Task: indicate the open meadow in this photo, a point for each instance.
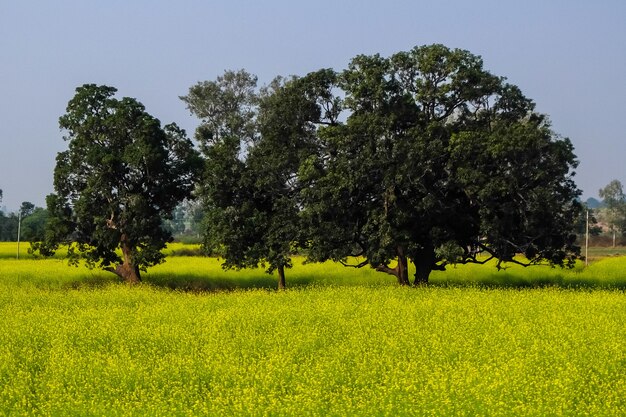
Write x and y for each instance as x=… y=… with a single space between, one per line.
x=195 y=340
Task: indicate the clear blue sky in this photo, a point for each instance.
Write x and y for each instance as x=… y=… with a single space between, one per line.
x=567 y=55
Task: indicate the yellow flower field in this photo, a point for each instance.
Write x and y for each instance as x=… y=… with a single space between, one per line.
x=339 y=342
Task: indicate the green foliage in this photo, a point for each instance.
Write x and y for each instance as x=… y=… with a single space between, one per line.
x=33 y=220
x=437 y=153
x=614 y=211
x=121 y=175
x=422 y=157
x=591 y=220
x=227 y=110
x=8 y=227
x=34 y=225
x=254 y=144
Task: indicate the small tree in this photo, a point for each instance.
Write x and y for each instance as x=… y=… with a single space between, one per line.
x=27 y=208
x=186 y=221
x=614 y=212
x=121 y=175
x=8 y=227
x=583 y=221
x=34 y=226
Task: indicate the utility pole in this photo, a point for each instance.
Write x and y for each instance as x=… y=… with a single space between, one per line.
x=19 y=231
x=587 y=240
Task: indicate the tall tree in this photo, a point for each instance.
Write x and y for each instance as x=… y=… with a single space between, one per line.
x=290 y=113
x=614 y=212
x=254 y=142
x=227 y=110
x=121 y=175
x=8 y=227
x=439 y=159
x=27 y=208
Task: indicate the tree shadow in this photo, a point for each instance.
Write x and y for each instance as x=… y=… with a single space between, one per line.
x=497 y=280
x=214 y=280
x=218 y=282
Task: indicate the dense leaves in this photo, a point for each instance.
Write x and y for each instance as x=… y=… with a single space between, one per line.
x=423 y=156
x=29 y=220
x=254 y=142
x=439 y=159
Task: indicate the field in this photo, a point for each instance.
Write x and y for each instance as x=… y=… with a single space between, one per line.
x=195 y=340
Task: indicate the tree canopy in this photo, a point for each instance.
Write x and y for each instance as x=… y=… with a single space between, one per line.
x=614 y=211
x=121 y=175
x=422 y=157
x=437 y=161
x=254 y=141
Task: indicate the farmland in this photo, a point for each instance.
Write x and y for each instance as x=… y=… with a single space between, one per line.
x=195 y=340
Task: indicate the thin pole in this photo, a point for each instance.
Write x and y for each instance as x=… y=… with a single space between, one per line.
x=19 y=232
x=613 y=236
x=587 y=240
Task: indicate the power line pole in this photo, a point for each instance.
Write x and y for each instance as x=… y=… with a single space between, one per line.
x=587 y=240
x=19 y=231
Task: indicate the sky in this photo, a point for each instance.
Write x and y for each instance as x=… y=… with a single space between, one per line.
x=569 y=56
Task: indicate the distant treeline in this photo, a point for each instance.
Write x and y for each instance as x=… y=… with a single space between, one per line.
x=33 y=223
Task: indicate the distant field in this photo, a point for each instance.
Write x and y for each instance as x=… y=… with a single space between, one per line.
x=601 y=252
x=8 y=250
x=525 y=341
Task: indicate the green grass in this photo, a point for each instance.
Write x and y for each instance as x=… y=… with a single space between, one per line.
x=604 y=251
x=195 y=273
x=8 y=250
x=525 y=341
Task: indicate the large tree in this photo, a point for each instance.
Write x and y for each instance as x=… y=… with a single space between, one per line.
x=290 y=112
x=254 y=143
x=227 y=110
x=121 y=175
x=438 y=160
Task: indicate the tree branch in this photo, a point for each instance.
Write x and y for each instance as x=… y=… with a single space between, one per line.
x=474 y=260
x=513 y=261
x=386 y=269
x=440 y=267
x=359 y=265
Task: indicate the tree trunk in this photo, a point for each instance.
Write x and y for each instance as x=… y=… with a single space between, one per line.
x=424 y=260
x=402 y=267
x=127 y=270
x=613 y=237
x=281 y=277
x=401 y=271
x=422 y=272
